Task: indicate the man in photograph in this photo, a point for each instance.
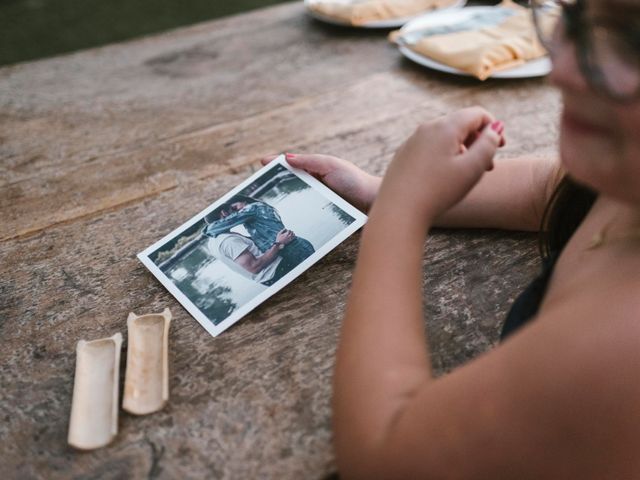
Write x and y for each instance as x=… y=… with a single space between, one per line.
x=241 y=254
x=263 y=223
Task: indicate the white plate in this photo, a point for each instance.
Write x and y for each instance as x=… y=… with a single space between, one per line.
x=534 y=68
x=390 y=23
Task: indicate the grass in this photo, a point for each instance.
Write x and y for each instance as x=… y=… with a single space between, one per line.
x=32 y=29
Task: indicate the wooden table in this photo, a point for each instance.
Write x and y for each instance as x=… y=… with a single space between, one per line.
x=105 y=151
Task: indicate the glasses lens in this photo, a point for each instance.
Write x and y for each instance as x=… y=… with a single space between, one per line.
x=613 y=56
x=546 y=16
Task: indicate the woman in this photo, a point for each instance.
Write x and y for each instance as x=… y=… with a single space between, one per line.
x=560 y=397
x=263 y=223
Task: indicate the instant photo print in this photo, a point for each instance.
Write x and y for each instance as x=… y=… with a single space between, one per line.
x=250 y=244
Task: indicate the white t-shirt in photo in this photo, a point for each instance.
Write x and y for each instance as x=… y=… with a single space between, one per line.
x=229 y=246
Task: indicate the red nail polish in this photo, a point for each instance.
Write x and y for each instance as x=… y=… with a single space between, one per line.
x=290 y=155
x=497 y=126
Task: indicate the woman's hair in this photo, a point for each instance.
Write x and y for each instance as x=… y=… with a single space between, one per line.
x=214 y=215
x=243 y=199
x=565 y=211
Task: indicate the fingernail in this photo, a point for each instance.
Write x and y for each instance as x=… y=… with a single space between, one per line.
x=290 y=155
x=497 y=126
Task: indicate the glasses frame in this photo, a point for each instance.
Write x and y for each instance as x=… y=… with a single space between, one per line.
x=576 y=30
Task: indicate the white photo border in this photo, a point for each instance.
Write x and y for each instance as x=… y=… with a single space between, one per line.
x=359 y=220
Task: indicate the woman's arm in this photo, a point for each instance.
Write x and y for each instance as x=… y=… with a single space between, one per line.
x=511 y=197
x=382 y=362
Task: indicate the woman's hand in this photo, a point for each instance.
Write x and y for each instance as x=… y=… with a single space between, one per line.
x=343 y=177
x=285 y=236
x=442 y=161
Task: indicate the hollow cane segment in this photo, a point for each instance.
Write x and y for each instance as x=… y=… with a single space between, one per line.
x=94 y=408
x=146 y=386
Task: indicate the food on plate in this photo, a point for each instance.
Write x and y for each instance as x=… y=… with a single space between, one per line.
x=362 y=12
x=483 y=41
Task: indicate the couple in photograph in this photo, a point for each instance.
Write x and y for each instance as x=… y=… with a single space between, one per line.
x=268 y=253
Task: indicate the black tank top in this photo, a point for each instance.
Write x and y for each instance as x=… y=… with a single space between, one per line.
x=526 y=305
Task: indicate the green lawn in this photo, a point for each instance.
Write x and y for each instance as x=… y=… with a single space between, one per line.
x=31 y=29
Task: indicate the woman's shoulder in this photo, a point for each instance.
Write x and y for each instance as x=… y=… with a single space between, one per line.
x=601 y=313
x=608 y=283
x=593 y=306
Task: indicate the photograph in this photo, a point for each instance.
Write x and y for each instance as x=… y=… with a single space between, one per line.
x=251 y=243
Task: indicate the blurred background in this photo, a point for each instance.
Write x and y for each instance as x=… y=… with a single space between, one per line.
x=31 y=29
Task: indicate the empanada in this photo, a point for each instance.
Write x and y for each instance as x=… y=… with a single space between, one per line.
x=361 y=12
x=490 y=41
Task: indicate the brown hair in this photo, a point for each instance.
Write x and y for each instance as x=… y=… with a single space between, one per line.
x=214 y=215
x=568 y=206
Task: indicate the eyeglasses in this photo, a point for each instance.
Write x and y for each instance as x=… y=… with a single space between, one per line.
x=607 y=49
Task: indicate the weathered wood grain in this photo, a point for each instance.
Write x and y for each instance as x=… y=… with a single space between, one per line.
x=97 y=120
x=105 y=151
